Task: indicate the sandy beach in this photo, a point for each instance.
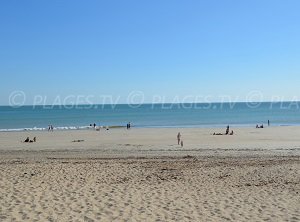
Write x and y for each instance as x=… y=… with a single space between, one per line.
x=119 y=111
x=143 y=175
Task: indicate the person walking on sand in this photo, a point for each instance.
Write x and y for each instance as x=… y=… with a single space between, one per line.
x=181 y=143
x=178 y=137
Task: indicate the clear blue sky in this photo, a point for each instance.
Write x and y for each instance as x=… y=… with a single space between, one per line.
x=166 y=47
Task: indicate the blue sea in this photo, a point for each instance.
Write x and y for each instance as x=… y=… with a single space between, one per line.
x=149 y=115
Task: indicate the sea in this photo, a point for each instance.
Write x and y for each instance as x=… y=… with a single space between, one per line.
x=72 y=117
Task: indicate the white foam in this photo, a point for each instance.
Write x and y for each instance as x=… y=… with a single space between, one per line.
x=45 y=129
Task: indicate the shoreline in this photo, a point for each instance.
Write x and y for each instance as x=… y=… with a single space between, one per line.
x=77 y=128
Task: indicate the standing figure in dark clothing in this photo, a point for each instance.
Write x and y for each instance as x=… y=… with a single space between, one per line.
x=227 y=130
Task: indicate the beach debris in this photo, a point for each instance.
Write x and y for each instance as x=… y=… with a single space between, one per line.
x=187 y=157
x=77 y=141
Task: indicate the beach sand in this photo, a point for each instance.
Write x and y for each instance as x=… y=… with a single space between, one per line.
x=143 y=175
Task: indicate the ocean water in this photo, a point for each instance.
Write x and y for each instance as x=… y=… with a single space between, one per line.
x=149 y=115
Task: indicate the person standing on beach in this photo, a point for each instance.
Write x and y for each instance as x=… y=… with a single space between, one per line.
x=178 y=137
x=181 y=143
x=268 y=122
x=227 y=130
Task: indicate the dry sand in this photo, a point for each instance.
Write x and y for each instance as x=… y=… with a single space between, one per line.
x=143 y=175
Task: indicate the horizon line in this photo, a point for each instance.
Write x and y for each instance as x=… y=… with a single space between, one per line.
x=103 y=104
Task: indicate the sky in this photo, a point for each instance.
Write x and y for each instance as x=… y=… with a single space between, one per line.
x=149 y=51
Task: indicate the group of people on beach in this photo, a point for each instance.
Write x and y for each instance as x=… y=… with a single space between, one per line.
x=128 y=126
x=227 y=132
x=50 y=128
x=262 y=125
x=27 y=140
x=93 y=125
